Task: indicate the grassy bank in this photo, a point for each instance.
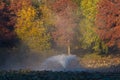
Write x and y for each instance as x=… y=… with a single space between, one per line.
x=101 y=62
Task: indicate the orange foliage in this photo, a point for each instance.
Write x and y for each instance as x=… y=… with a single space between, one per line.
x=8 y=19
x=15 y=6
x=108 y=22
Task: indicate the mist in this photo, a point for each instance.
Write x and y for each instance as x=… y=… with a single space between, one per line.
x=23 y=56
x=23 y=60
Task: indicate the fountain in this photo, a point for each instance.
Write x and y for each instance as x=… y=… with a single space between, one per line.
x=61 y=63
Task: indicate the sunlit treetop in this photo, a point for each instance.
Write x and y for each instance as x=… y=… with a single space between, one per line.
x=89 y=8
x=31 y=30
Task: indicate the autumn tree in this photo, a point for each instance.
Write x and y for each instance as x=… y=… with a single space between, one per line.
x=89 y=8
x=108 y=22
x=64 y=23
x=89 y=38
x=14 y=7
x=30 y=29
x=8 y=11
x=7 y=34
x=47 y=14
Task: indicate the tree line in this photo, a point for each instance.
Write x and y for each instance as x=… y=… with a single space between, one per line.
x=71 y=24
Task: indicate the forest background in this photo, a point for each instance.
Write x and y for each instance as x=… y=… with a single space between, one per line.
x=50 y=27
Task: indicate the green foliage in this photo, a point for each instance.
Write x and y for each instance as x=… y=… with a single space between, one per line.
x=31 y=30
x=78 y=2
x=36 y=3
x=89 y=38
x=47 y=15
x=89 y=8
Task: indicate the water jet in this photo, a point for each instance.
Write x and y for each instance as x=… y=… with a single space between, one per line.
x=62 y=63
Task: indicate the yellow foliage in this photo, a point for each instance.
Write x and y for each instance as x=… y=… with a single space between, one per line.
x=89 y=8
x=47 y=14
x=88 y=28
x=32 y=31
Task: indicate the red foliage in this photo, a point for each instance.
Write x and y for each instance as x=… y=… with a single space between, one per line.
x=5 y=28
x=14 y=7
x=108 y=22
x=8 y=10
x=65 y=22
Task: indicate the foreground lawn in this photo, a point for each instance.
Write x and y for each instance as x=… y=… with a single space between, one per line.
x=47 y=75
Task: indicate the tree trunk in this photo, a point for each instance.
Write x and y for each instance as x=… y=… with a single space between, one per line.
x=69 y=50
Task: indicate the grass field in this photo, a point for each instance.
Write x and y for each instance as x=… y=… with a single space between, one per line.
x=47 y=75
